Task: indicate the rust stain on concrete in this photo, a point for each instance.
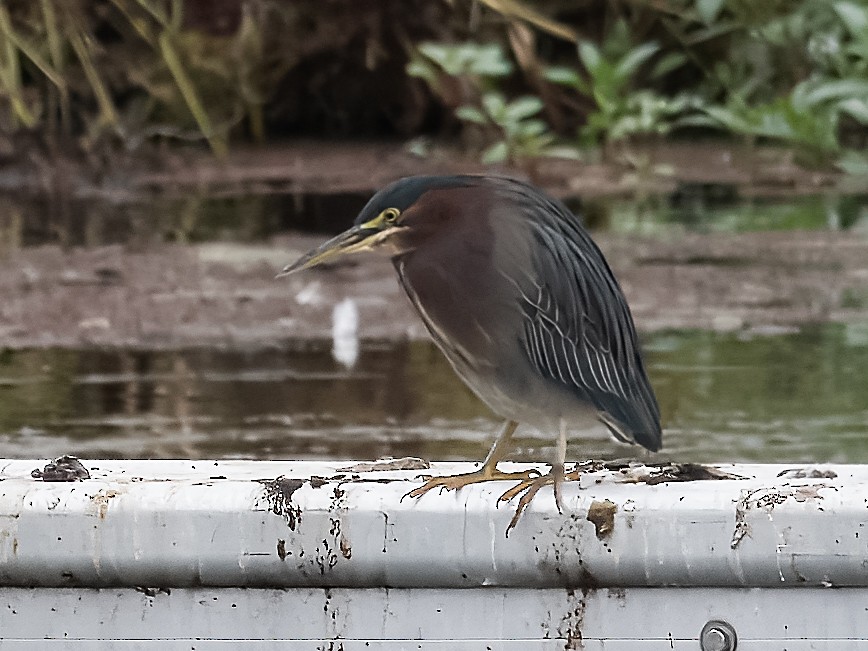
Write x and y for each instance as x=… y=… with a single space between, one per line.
x=602 y=516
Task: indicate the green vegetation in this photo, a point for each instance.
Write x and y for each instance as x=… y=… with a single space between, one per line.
x=515 y=82
x=791 y=73
x=512 y=128
x=129 y=69
x=520 y=134
x=609 y=79
x=819 y=100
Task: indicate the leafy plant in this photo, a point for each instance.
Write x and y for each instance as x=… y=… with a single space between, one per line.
x=808 y=118
x=476 y=59
x=520 y=133
x=459 y=73
x=812 y=114
x=609 y=78
x=513 y=128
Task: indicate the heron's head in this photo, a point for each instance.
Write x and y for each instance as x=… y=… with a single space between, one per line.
x=395 y=219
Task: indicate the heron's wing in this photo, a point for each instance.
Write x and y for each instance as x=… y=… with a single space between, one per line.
x=578 y=330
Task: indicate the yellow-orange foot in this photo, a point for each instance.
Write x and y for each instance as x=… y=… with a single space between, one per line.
x=454 y=482
x=530 y=487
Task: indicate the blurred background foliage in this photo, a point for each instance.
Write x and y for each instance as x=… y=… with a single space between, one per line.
x=512 y=80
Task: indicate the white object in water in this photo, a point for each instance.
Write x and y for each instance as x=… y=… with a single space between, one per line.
x=345 y=333
x=310 y=294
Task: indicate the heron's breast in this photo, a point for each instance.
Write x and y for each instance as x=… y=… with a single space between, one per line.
x=459 y=294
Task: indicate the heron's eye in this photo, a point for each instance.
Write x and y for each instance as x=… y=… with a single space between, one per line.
x=390 y=215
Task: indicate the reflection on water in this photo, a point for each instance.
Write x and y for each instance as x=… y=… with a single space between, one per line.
x=708 y=209
x=796 y=397
x=31 y=221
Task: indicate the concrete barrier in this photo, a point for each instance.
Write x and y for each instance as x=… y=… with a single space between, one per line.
x=304 y=555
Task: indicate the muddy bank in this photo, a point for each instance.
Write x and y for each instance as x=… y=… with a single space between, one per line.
x=172 y=296
x=309 y=166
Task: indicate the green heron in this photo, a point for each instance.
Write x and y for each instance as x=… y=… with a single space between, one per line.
x=521 y=301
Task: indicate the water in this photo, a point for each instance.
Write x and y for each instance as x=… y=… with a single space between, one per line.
x=781 y=397
x=86 y=222
x=789 y=397
x=716 y=209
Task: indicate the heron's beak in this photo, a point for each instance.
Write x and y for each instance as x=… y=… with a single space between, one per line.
x=358 y=238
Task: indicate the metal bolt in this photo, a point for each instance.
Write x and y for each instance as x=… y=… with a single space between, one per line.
x=718 y=636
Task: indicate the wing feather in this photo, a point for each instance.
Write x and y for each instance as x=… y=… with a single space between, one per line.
x=578 y=329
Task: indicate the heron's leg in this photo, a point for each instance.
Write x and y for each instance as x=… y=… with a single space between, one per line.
x=555 y=477
x=500 y=447
x=557 y=471
x=488 y=471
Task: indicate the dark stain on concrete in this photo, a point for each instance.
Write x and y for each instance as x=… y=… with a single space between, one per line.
x=278 y=494
x=65 y=468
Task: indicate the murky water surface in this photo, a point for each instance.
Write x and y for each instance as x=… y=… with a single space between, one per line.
x=783 y=397
x=786 y=397
x=88 y=222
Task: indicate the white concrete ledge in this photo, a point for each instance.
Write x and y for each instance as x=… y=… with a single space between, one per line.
x=174 y=524
x=503 y=619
